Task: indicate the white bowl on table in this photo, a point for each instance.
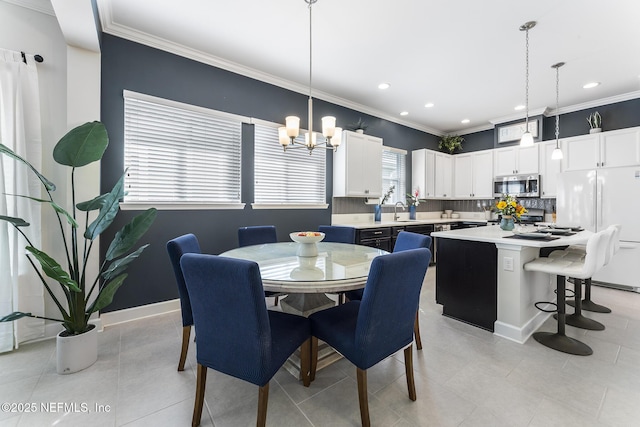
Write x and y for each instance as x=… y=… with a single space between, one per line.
x=306 y=241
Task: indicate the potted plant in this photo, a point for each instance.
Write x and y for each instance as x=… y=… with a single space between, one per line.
x=413 y=202
x=360 y=126
x=451 y=143
x=377 y=216
x=83 y=295
x=595 y=122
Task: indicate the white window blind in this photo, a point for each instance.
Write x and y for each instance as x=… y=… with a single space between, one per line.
x=180 y=154
x=293 y=178
x=394 y=173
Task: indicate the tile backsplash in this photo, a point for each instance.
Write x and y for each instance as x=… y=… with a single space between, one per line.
x=353 y=205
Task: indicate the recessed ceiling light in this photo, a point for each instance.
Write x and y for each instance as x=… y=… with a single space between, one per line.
x=429 y=104
x=519 y=107
x=591 y=85
x=465 y=121
x=404 y=113
x=383 y=86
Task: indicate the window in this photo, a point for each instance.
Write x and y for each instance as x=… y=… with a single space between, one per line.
x=287 y=179
x=179 y=154
x=394 y=173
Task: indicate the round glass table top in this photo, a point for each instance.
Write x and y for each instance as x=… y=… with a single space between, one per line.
x=337 y=267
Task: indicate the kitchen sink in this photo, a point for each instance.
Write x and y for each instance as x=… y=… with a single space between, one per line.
x=406 y=220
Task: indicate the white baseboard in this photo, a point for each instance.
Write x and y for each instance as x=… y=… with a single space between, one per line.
x=135 y=313
x=521 y=335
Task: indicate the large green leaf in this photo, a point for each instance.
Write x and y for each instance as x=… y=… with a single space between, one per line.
x=127 y=237
x=48 y=184
x=82 y=145
x=52 y=269
x=108 y=211
x=55 y=207
x=120 y=265
x=15 y=316
x=17 y=222
x=93 y=204
x=106 y=294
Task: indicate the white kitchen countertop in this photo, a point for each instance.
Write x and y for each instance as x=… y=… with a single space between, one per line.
x=495 y=234
x=356 y=220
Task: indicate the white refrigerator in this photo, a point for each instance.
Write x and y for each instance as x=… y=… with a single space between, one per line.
x=596 y=199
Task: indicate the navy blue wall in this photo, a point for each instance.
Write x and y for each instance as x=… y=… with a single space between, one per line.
x=132 y=66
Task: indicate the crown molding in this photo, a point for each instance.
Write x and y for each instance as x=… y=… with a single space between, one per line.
x=597 y=103
x=513 y=117
x=42 y=6
x=475 y=129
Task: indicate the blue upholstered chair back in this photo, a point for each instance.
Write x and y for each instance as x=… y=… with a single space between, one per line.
x=407 y=240
x=338 y=233
x=176 y=248
x=230 y=315
x=257 y=235
x=389 y=304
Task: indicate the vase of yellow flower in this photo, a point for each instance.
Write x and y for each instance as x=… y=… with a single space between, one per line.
x=509 y=208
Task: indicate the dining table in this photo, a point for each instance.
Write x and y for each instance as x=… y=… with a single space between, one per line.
x=337 y=267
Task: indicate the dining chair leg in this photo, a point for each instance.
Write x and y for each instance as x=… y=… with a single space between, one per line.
x=416 y=332
x=305 y=362
x=363 y=397
x=186 y=334
x=313 y=359
x=408 y=367
x=275 y=301
x=201 y=382
x=263 y=400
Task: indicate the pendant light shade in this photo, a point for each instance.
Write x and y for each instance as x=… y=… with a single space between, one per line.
x=527 y=137
x=557 y=152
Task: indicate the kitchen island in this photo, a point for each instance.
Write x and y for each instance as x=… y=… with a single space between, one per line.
x=480 y=279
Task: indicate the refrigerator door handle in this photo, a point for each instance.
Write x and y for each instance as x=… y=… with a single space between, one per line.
x=599 y=214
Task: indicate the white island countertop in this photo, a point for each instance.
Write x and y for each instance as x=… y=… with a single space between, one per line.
x=495 y=234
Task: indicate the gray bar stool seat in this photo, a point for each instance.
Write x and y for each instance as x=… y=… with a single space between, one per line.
x=580 y=268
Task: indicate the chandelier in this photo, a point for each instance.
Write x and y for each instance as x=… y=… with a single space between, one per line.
x=332 y=134
x=557 y=152
x=527 y=138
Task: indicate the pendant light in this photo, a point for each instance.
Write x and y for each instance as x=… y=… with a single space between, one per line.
x=287 y=134
x=527 y=138
x=557 y=152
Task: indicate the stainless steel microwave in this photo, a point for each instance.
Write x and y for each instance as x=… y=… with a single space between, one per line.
x=517 y=185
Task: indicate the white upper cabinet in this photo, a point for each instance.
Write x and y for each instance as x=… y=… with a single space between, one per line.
x=423 y=164
x=549 y=170
x=443 y=175
x=602 y=150
x=473 y=175
x=516 y=160
x=357 y=166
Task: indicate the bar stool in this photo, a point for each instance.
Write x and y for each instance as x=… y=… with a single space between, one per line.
x=614 y=246
x=562 y=268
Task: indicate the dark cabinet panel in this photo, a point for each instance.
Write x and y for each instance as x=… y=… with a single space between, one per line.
x=375 y=237
x=466 y=281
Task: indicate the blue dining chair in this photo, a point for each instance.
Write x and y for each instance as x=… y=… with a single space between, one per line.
x=177 y=247
x=406 y=240
x=370 y=330
x=338 y=233
x=237 y=335
x=259 y=235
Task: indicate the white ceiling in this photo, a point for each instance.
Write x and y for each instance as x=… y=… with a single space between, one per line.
x=465 y=56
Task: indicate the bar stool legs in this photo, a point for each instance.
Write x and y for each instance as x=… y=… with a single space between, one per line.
x=559 y=340
x=589 y=305
x=577 y=319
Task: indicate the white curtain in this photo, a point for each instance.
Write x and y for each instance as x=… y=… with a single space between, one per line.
x=20 y=130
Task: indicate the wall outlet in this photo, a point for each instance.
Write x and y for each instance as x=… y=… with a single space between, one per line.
x=508 y=263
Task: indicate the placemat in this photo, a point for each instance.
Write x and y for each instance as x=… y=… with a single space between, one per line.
x=540 y=239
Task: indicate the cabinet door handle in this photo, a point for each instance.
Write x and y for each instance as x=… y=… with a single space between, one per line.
x=377 y=232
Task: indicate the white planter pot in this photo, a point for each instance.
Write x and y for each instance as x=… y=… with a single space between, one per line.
x=76 y=352
x=595 y=130
x=360 y=130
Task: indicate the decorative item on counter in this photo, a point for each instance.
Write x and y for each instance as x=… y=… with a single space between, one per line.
x=595 y=122
x=378 y=209
x=451 y=143
x=509 y=207
x=307 y=242
x=413 y=202
x=455 y=215
x=487 y=211
x=448 y=213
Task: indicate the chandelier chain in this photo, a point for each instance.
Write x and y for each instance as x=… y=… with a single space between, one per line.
x=557 y=104
x=311 y=2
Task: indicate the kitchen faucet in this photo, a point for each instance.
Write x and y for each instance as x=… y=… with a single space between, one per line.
x=395 y=210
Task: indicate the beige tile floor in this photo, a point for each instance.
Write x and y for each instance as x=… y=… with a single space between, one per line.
x=464 y=377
